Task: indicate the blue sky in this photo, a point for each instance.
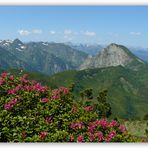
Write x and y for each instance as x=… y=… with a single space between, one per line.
x=127 y=25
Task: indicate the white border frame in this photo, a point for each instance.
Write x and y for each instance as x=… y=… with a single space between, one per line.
x=73 y=2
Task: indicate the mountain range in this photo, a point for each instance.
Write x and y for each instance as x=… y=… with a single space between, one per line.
x=43 y=57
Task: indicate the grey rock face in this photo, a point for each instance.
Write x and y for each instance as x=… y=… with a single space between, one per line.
x=112 y=55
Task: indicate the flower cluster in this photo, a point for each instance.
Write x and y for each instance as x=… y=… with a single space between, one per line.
x=77 y=125
x=56 y=92
x=110 y=136
x=123 y=128
x=9 y=105
x=43 y=135
x=88 y=108
x=44 y=100
x=80 y=138
x=2 y=81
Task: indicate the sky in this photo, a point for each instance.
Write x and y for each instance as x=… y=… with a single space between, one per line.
x=127 y=25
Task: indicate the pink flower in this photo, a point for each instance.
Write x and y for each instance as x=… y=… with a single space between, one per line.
x=91 y=137
x=57 y=92
x=34 y=82
x=23 y=80
x=80 y=138
x=28 y=87
x=9 y=105
x=2 y=81
x=91 y=127
x=39 y=88
x=13 y=101
x=44 y=100
x=12 y=91
x=56 y=97
x=103 y=123
x=64 y=90
x=11 y=77
x=4 y=74
x=99 y=135
x=122 y=128
x=43 y=135
x=113 y=123
x=111 y=135
x=25 y=76
x=88 y=108
x=77 y=125
x=18 y=87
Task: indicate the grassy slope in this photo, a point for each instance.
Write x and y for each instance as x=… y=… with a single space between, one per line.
x=127 y=89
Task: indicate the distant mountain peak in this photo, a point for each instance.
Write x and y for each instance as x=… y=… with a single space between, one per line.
x=112 y=55
x=17 y=41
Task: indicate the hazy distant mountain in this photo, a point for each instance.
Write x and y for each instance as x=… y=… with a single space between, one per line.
x=44 y=57
x=143 y=54
x=91 y=49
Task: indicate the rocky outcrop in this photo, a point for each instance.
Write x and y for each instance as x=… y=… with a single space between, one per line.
x=112 y=55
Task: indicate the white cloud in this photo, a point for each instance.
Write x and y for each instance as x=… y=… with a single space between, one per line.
x=68 y=32
x=52 y=32
x=24 y=32
x=89 y=33
x=37 y=31
x=135 y=33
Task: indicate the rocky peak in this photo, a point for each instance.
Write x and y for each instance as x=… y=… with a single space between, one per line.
x=17 y=42
x=112 y=55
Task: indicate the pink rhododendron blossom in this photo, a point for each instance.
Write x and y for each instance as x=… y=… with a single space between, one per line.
x=25 y=76
x=122 y=128
x=91 y=127
x=91 y=137
x=77 y=125
x=80 y=138
x=2 y=81
x=88 y=108
x=56 y=97
x=39 y=88
x=103 y=123
x=113 y=123
x=4 y=74
x=110 y=136
x=99 y=135
x=11 y=77
x=43 y=135
x=44 y=100
x=9 y=105
x=28 y=87
x=12 y=91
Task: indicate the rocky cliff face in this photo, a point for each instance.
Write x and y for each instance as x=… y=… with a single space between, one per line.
x=112 y=55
